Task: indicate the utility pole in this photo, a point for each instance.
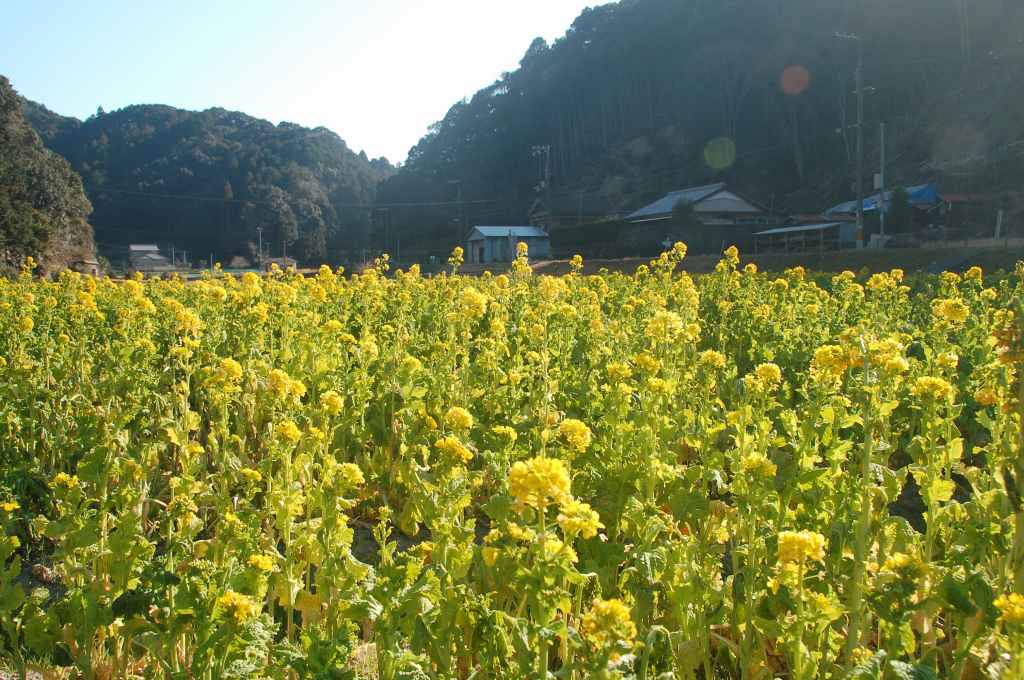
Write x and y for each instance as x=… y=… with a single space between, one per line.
x=174 y=262
x=259 y=253
x=881 y=208
x=460 y=229
x=859 y=77
x=544 y=170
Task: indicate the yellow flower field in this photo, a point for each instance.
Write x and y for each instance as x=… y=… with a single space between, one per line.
x=742 y=475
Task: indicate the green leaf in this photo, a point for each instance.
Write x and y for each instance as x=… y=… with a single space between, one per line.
x=941 y=490
x=904 y=671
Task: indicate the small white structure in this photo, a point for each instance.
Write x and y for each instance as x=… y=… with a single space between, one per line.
x=147 y=258
x=498 y=244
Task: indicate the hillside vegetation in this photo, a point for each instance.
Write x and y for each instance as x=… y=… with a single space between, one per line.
x=644 y=96
x=206 y=181
x=43 y=208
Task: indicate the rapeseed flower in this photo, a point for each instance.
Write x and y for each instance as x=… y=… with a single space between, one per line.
x=331 y=402
x=929 y=387
x=352 y=474
x=801 y=546
x=264 y=563
x=986 y=396
x=952 y=310
x=238 y=607
x=576 y=434
x=288 y=432
x=539 y=481
x=454 y=449
x=473 y=303
x=459 y=419
x=608 y=623
x=578 y=518
x=1011 y=608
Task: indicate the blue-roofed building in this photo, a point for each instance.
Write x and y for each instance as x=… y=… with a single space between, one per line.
x=715 y=204
x=498 y=244
x=922 y=196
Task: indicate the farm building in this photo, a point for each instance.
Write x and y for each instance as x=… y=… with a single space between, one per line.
x=89 y=266
x=714 y=204
x=807 y=237
x=281 y=262
x=922 y=197
x=498 y=244
x=147 y=258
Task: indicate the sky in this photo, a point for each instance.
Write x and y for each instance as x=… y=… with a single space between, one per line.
x=377 y=72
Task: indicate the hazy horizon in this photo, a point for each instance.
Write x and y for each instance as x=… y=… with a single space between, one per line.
x=377 y=76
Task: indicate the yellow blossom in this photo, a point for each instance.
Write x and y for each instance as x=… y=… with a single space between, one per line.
x=578 y=518
x=608 y=623
x=986 y=396
x=952 y=310
x=251 y=475
x=458 y=418
x=288 y=432
x=331 y=402
x=801 y=546
x=454 y=448
x=928 y=387
x=1011 y=608
x=758 y=464
x=238 y=607
x=712 y=358
x=473 y=303
x=264 y=563
x=539 y=481
x=576 y=434
x=352 y=474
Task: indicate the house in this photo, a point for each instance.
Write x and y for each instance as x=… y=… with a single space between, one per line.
x=284 y=263
x=498 y=244
x=922 y=197
x=714 y=204
x=88 y=266
x=147 y=258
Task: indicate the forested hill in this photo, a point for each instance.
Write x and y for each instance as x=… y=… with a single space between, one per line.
x=43 y=208
x=644 y=96
x=206 y=181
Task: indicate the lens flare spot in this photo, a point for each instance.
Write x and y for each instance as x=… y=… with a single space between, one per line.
x=795 y=79
x=720 y=153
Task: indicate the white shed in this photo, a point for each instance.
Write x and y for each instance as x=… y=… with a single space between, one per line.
x=498 y=244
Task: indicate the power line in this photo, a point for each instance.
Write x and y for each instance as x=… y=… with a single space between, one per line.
x=359 y=206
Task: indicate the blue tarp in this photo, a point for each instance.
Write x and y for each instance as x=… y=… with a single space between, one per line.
x=922 y=195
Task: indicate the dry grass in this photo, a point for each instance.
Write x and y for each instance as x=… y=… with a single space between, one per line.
x=990 y=255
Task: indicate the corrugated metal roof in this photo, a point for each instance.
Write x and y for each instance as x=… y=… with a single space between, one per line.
x=667 y=203
x=727 y=202
x=922 y=194
x=521 y=232
x=802 y=227
x=142 y=247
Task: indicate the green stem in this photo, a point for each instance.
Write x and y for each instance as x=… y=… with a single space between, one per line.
x=860 y=541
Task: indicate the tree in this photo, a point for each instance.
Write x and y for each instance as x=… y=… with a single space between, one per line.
x=899 y=216
x=43 y=208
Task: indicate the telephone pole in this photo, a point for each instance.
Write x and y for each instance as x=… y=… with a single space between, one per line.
x=259 y=253
x=881 y=208
x=859 y=77
x=460 y=229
